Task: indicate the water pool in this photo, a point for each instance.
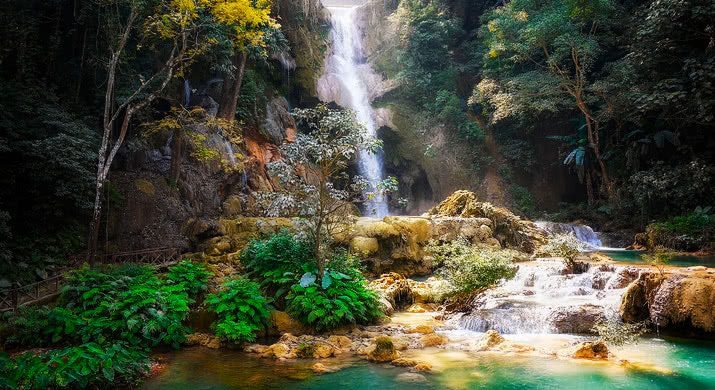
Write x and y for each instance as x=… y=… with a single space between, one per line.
x=636 y=257
x=667 y=364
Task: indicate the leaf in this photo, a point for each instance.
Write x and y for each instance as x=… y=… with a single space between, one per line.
x=327 y=281
x=307 y=279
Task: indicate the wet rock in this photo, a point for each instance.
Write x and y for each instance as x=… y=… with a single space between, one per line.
x=383 y=350
x=491 y=339
x=432 y=340
x=320 y=368
x=422 y=329
x=421 y=308
x=623 y=277
x=342 y=342
x=591 y=350
x=579 y=319
x=278 y=351
x=411 y=377
x=672 y=301
x=204 y=340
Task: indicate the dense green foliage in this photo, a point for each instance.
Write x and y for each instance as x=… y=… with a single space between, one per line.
x=89 y=365
x=346 y=300
x=277 y=262
x=128 y=303
x=193 y=277
x=242 y=310
x=469 y=269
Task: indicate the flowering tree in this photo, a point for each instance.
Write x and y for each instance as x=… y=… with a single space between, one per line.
x=314 y=179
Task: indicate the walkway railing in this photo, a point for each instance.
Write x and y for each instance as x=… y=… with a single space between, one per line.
x=13 y=298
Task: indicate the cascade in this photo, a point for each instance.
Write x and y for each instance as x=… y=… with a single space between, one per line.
x=344 y=83
x=540 y=299
x=582 y=232
x=230 y=152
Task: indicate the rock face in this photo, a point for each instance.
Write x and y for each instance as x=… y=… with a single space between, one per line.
x=683 y=301
x=508 y=228
x=577 y=319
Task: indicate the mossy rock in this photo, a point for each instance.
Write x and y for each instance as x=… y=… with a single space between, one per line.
x=145 y=186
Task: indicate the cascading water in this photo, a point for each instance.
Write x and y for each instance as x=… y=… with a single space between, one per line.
x=541 y=299
x=344 y=83
x=582 y=232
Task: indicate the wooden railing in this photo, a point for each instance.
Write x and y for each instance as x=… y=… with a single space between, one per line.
x=13 y=298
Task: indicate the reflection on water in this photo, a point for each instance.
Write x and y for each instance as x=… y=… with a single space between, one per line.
x=660 y=364
x=636 y=257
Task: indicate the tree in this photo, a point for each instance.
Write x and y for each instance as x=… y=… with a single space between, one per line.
x=246 y=24
x=541 y=57
x=314 y=179
x=169 y=28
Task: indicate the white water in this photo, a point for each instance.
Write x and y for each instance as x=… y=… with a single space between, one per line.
x=539 y=294
x=343 y=83
x=230 y=152
x=583 y=233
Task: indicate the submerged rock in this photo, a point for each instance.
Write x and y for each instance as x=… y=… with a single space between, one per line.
x=591 y=350
x=432 y=340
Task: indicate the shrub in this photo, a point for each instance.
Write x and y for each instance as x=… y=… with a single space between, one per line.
x=277 y=262
x=472 y=268
x=192 y=276
x=566 y=246
x=345 y=300
x=698 y=222
x=41 y=326
x=241 y=308
x=127 y=303
x=88 y=365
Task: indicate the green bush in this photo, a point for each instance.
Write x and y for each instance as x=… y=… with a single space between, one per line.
x=128 y=303
x=192 y=276
x=89 y=365
x=40 y=326
x=277 y=262
x=471 y=268
x=696 y=223
x=241 y=308
x=345 y=300
x=562 y=245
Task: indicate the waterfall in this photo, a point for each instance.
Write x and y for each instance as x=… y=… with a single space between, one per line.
x=229 y=151
x=540 y=299
x=582 y=232
x=344 y=83
x=187 y=93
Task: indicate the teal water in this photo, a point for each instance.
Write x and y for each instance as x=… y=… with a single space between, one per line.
x=672 y=364
x=636 y=257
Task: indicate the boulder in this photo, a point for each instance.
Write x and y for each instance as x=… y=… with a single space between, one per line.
x=365 y=246
x=421 y=329
x=432 y=340
x=675 y=301
x=491 y=339
x=342 y=342
x=512 y=230
x=577 y=319
x=283 y=323
x=383 y=350
x=232 y=206
x=204 y=340
x=278 y=351
x=591 y=350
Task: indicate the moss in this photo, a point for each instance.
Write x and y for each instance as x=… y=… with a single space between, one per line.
x=145 y=186
x=384 y=344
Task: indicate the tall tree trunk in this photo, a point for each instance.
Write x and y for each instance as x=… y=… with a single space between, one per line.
x=231 y=90
x=176 y=149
